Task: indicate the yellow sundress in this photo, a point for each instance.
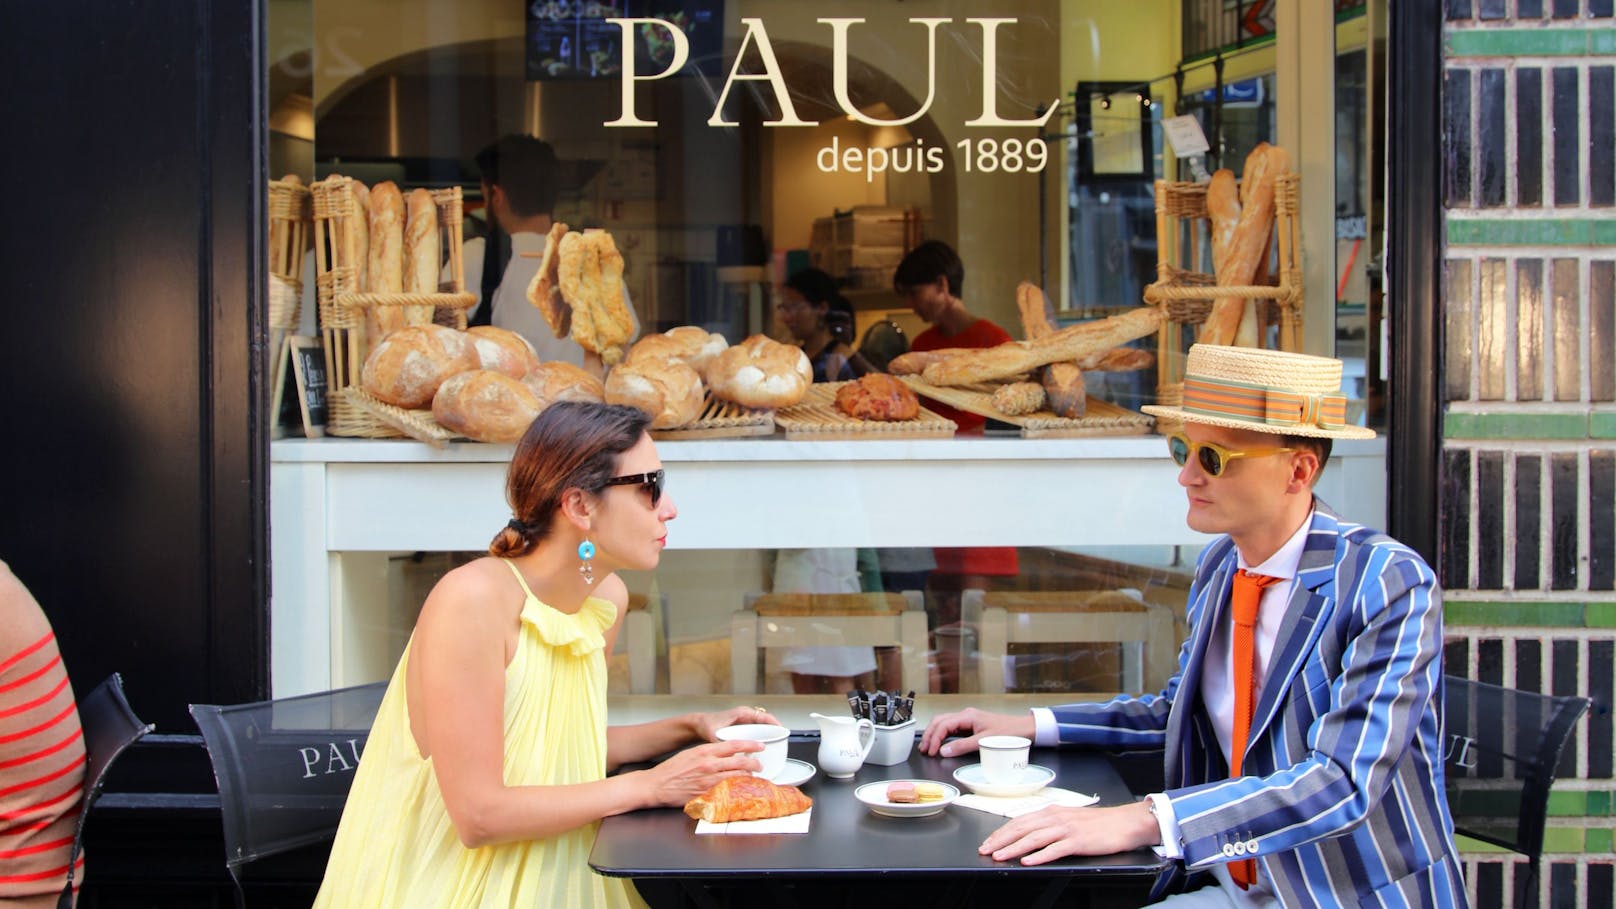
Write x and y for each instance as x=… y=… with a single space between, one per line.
x=396 y=846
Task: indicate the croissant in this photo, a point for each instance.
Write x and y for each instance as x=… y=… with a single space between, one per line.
x=746 y=798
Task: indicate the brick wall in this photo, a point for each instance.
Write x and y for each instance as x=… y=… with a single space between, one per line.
x=1528 y=493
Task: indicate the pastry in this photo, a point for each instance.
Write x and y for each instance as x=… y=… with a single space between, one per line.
x=877 y=396
x=929 y=792
x=762 y=373
x=746 y=798
x=901 y=792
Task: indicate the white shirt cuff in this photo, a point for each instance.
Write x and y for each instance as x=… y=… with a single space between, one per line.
x=1171 y=838
x=1046 y=732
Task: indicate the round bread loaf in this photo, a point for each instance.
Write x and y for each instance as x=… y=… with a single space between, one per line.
x=1018 y=398
x=407 y=367
x=503 y=350
x=558 y=381
x=696 y=346
x=485 y=405
x=761 y=372
x=669 y=391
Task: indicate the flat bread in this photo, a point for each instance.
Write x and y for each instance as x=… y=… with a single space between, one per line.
x=544 y=291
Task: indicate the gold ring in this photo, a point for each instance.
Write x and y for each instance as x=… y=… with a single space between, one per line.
x=761 y=709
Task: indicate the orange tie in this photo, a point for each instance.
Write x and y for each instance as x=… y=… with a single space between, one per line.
x=1247 y=595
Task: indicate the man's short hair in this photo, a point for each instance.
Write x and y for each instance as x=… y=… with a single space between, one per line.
x=1319 y=447
x=925 y=263
x=526 y=169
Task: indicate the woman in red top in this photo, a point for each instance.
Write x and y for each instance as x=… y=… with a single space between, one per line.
x=930 y=277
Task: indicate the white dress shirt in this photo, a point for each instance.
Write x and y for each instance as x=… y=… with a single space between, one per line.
x=1217 y=693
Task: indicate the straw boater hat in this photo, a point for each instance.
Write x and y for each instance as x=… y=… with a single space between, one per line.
x=1273 y=391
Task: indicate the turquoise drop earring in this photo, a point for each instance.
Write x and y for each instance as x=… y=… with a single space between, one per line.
x=586 y=552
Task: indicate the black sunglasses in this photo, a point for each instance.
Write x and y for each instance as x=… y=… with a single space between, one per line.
x=651 y=482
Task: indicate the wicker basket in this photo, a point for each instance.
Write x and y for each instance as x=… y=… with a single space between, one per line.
x=290 y=210
x=342 y=306
x=1185 y=290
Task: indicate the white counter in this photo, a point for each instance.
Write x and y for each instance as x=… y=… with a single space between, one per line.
x=338 y=507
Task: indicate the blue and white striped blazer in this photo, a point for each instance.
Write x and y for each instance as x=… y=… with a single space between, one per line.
x=1343 y=799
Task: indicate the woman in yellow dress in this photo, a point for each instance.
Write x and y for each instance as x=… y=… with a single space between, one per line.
x=484 y=777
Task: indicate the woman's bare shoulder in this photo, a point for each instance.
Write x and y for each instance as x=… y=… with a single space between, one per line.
x=612 y=589
x=484 y=588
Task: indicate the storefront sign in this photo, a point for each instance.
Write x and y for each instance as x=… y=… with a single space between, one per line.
x=757 y=36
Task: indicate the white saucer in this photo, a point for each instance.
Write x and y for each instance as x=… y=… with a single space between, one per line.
x=1033 y=778
x=794 y=773
x=874 y=795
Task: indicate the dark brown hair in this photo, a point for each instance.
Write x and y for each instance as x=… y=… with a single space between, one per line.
x=569 y=446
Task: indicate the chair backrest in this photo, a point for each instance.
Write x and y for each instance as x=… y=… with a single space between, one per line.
x=284 y=767
x=110 y=727
x=1503 y=747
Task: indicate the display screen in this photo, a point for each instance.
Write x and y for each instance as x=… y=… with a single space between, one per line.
x=571 y=39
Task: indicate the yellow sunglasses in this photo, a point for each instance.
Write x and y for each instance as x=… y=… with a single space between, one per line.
x=1214 y=459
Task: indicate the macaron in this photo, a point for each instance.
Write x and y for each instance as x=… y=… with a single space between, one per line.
x=902 y=792
x=929 y=792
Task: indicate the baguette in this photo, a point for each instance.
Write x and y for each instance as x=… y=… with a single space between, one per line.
x=421 y=265
x=1245 y=244
x=386 y=256
x=1120 y=359
x=915 y=362
x=1065 y=390
x=1072 y=343
x=1035 y=315
x=1020 y=398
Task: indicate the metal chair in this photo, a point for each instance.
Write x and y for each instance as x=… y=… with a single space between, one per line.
x=828 y=620
x=1503 y=748
x=284 y=768
x=1150 y=643
x=110 y=727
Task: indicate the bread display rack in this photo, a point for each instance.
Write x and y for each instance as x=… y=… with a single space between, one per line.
x=1185 y=290
x=816 y=417
x=417 y=424
x=290 y=212
x=342 y=305
x=720 y=419
x=1101 y=418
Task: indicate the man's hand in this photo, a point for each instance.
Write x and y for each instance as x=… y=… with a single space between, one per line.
x=975 y=724
x=1055 y=832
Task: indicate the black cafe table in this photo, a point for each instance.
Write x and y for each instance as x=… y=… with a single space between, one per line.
x=847 y=840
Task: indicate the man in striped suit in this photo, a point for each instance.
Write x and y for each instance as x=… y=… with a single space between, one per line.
x=41 y=755
x=1302 y=729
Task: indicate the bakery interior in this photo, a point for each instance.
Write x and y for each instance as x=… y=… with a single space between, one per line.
x=710 y=219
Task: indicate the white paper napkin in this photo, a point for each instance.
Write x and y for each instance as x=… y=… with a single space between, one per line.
x=795 y=823
x=1016 y=807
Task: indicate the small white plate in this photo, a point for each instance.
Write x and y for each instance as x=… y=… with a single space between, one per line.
x=874 y=795
x=1032 y=779
x=794 y=773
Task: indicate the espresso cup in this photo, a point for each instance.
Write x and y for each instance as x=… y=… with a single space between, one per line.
x=773 y=755
x=1004 y=758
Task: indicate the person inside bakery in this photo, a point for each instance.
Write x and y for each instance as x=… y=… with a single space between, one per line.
x=520 y=185
x=487 y=768
x=821 y=320
x=932 y=278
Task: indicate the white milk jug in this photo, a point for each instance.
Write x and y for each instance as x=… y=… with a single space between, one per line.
x=844 y=743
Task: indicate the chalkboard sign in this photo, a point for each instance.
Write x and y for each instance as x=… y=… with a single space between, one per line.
x=308 y=363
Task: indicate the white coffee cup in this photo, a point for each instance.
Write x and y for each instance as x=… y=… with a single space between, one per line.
x=1004 y=758
x=773 y=755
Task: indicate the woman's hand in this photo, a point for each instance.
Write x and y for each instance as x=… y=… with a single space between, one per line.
x=974 y=724
x=693 y=771
x=706 y=725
